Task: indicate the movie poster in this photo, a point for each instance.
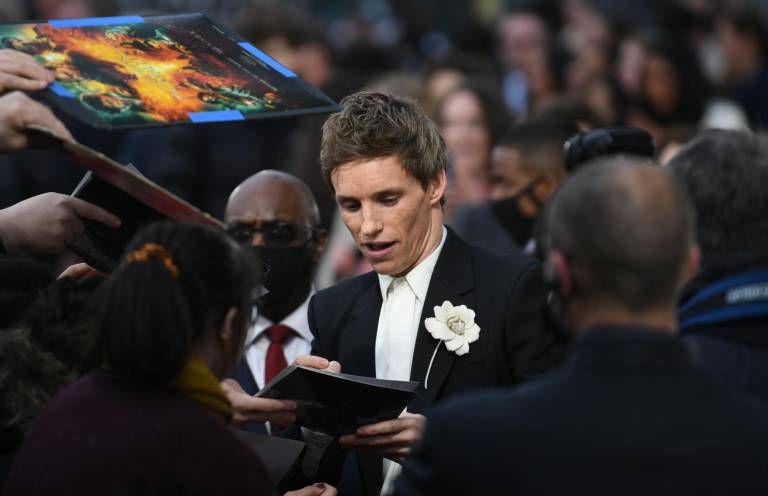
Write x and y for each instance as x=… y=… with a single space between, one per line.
x=127 y=72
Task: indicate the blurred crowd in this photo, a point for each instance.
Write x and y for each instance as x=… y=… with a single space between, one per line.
x=618 y=141
x=673 y=68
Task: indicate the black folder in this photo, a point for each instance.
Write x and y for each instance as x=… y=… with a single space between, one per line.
x=278 y=454
x=338 y=404
x=121 y=190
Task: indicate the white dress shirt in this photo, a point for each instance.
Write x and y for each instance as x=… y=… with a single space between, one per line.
x=399 y=322
x=257 y=341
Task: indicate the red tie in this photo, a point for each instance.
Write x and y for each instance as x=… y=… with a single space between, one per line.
x=278 y=334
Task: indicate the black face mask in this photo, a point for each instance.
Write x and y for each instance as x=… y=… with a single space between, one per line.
x=288 y=278
x=508 y=213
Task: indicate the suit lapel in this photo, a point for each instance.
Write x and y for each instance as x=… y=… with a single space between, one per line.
x=358 y=356
x=357 y=352
x=451 y=280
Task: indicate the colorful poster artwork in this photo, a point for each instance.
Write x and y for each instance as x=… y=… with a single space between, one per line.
x=161 y=70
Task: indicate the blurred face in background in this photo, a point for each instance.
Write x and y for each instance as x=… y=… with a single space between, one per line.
x=630 y=66
x=466 y=135
x=442 y=82
x=63 y=9
x=522 y=37
x=660 y=85
x=740 y=52
x=514 y=174
x=508 y=176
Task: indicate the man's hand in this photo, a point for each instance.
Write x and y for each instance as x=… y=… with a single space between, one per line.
x=317 y=362
x=17 y=111
x=21 y=72
x=391 y=439
x=247 y=408
x=45 y=223
x=314 y=490
x=78 y=271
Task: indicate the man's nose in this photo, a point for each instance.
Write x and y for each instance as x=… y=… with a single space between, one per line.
x=258 y=239
x=371 y=224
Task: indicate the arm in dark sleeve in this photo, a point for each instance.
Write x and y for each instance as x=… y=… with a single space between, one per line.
x=532 y=345
x=419 y=473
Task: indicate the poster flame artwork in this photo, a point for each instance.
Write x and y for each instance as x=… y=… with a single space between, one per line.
x=161 y=70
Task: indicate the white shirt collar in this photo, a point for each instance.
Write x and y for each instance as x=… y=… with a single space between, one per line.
x=418 y=277
x=296 y=320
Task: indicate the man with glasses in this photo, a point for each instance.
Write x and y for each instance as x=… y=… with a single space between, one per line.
x=275 y=215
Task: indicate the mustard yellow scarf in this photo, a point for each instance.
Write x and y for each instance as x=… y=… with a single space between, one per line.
x=198 y=384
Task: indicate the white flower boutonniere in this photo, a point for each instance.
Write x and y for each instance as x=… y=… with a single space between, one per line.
x=453 y=325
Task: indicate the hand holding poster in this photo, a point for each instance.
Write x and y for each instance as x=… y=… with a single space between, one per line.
x=127 y=72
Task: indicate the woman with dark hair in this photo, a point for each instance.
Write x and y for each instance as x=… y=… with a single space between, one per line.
x=153 y=419
x=743 y=38
x=472 y=116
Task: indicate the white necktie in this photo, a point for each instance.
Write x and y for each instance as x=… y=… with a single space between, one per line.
x=398 y=345
x=398 y=340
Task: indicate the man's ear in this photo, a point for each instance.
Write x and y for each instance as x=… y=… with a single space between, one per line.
x=561 y=271
x=436 y=188
x=321 y=238
x=691 y=265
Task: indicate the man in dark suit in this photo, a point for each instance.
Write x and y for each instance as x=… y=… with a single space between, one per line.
x=434 y=310
x=628 y=412
x=275 y=215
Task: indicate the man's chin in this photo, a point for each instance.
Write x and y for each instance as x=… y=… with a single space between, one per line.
x=383 y=267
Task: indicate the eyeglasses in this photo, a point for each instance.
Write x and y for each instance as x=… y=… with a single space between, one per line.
x=276 y=233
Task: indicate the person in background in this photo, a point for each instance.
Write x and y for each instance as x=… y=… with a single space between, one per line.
x=43 y=224
x=449 y=71
x=724 y=309
x=288 y=36
x=526 y=168
x=629 y=411
x=741 y=34
x=524 y=41
x=40 y=225
x=471 y=118
x=275 y=215
x=189 y=290
x=45 y=338
x=674 y=90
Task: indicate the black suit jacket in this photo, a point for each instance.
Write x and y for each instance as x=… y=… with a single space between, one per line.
x=508 y=297
x=629 y=412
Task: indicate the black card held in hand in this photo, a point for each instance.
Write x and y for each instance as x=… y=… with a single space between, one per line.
x=278 y=454
x=121 y=190
x=338 y=404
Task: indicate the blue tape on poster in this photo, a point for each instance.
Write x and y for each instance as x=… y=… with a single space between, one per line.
x=60 y=90
x=267 y=59
x=216 y=116
x=95 y=21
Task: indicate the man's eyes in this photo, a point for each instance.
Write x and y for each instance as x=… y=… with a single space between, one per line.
x=350 y=206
